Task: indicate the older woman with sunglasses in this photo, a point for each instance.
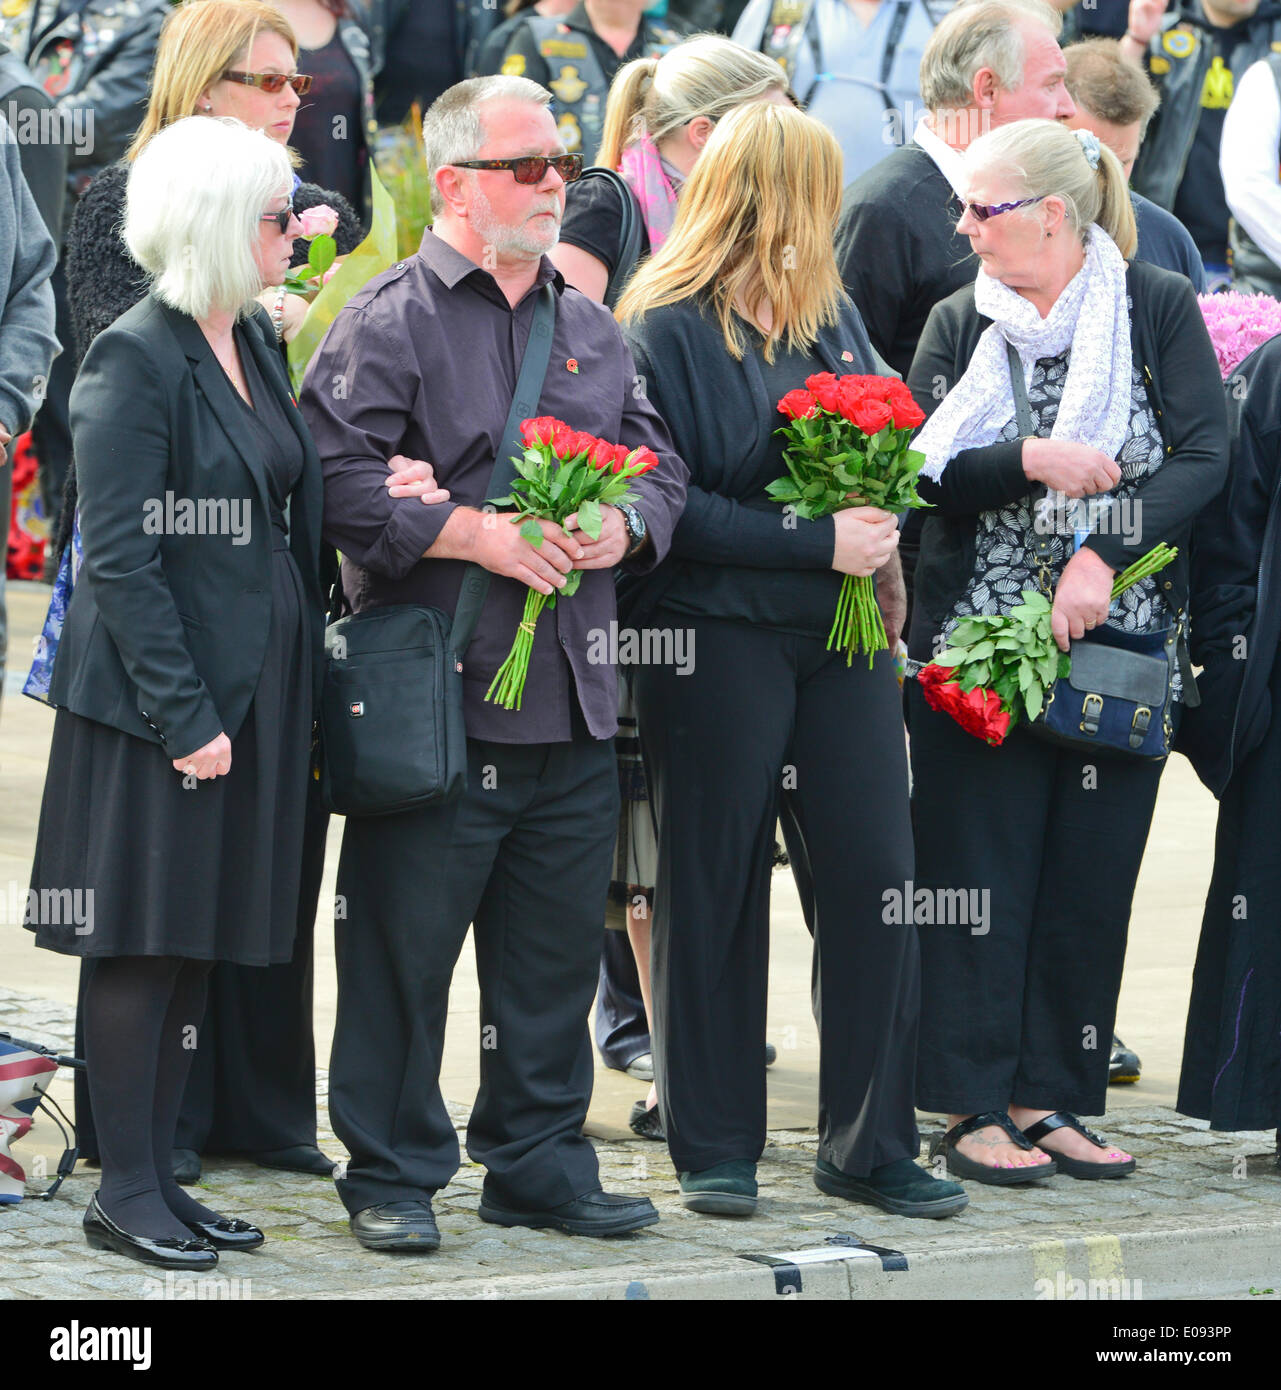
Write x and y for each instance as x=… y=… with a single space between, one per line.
x=176 y=799
x=1122 y=406
x=253 y=1083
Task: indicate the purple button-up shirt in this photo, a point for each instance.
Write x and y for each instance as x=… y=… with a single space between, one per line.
x=423 y=362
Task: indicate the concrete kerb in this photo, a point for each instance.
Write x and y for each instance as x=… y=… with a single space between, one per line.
x=1172 y=1264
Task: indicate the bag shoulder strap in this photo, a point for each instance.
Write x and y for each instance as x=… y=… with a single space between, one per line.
x=529 y=386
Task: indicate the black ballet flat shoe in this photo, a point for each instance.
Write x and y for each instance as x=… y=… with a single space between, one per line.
x=1077 y=1167
x=186 y=1167
x=960 y=1166
x=301 y=1158
x=227 y=1233
x=102 y=1233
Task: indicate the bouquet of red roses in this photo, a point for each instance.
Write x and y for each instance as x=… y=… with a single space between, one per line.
x=846 y=446
x=998 y=667
x=562 y=471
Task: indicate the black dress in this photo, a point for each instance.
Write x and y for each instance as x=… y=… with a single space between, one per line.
x=204 y=870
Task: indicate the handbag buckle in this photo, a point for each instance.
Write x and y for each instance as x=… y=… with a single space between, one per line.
x=1091 y=708
x=1139 y=726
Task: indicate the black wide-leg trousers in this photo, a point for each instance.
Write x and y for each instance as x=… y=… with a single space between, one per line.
x=768 y=721
x=525 y=855
x=1022 y=1012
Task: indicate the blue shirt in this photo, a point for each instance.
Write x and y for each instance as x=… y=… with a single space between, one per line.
x=868 y=119
x=1165 y=241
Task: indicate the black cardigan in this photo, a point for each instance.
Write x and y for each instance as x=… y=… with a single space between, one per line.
x=722 y=420
x=1236 y=629
x=1172 y=351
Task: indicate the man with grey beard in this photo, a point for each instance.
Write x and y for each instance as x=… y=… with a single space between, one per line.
x=423 y=363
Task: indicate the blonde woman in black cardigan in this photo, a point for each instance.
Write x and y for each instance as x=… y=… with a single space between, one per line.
x=741 y=304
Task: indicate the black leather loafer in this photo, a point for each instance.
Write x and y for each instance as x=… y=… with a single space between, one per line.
x=102 y=1233
x=594 y=1214
x=227 y=1233
x=397 y=1226
x=301 y=1158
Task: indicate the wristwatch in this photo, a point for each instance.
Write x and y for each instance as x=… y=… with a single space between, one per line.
x=636 y=528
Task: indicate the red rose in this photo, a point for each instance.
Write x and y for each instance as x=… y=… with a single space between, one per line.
x=602 y=454
x=870 y=415
x=584 y=443
x=621 y=452
x=907 y=414
x=825 y=389
x=539 y=430
x=849 y=393
x=647 y=458
x=563 y=440
x=798 y=404
x=978 y=711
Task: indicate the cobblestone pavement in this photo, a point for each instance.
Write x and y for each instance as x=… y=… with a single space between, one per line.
x=1202 y=1215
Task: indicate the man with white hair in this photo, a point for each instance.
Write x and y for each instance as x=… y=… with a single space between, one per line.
x=423 y=362
x=988 y=62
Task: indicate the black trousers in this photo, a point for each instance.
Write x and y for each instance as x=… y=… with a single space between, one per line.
x=622 y=1030
x=1022 y=1013
x=252 y=1084
x=766 y=718
x=524 y=855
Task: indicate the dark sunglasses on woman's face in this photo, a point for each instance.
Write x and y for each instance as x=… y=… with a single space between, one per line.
x=530 y=168
x=982 y=211
x=281 y=218
x=271 y=81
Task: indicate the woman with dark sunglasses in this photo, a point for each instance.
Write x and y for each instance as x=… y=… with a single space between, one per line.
x=1121 y=444
x=256 y=1045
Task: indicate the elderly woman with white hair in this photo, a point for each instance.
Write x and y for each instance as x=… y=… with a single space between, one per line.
x=1061 y=373
x=188 y=664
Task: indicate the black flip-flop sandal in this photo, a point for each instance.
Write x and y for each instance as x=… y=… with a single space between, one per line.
x=960 y=1166
x=1077 y=1167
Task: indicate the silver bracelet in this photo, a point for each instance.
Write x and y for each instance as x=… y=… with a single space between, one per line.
x=278 y=314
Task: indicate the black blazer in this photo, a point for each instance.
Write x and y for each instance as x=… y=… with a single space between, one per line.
x=165 y=633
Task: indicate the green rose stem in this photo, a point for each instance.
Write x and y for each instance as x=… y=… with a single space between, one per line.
x=858 y=626
x=1156 y=559
x=509 y=683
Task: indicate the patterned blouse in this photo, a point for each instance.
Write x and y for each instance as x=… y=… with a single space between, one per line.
x=1005 y=563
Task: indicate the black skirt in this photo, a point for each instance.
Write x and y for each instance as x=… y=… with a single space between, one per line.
x=207 y=871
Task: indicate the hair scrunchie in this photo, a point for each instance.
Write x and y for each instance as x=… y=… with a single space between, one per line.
x=1089 y=147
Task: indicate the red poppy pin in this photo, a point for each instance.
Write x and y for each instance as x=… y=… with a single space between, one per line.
x=847 y=356
x=572 y=365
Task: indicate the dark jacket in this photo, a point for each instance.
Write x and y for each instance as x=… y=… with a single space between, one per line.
x=722 y=421
x=165 y=634
x=44 y=162
x=1178 y=60
x=1173 y=353
x=1236 y=611
x=113 y=43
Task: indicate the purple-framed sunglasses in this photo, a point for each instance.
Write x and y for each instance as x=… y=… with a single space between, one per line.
x=982 y=211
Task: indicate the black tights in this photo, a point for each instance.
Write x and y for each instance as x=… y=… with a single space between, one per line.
x=142 y=1017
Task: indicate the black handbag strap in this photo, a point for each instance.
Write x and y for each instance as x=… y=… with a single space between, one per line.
x=529 y=386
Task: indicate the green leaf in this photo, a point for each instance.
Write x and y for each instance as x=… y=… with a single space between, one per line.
x=321 y=254
x=1036 y=601
x=1033 y=700
x=532 y=531
x=590 y=519
x=572 y=581
x=953 y=656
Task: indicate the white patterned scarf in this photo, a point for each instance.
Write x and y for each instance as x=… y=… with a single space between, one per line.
x=1090 y=317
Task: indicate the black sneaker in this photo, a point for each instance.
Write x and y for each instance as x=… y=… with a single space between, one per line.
x=1124 y=1066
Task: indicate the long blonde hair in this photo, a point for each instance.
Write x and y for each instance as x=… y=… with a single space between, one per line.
x=705 y=75
x=198 y=43
x=754 y=226
x=1044 y=157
